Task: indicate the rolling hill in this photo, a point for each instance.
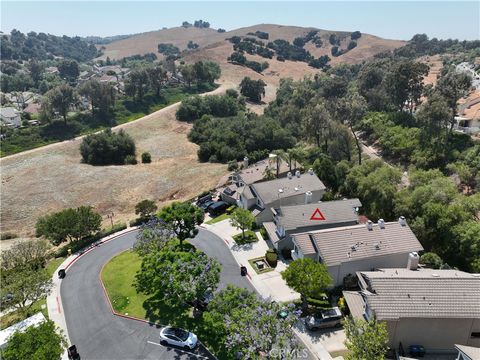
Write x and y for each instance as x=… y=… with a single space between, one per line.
x=214 y=46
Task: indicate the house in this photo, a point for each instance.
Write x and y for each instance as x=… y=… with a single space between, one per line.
x=250 y=174
x=467 y=352
x=10 y=116
x=433 y=308
x=349 y=249
x=33 y=108
x=288 y=220
x=296 y=189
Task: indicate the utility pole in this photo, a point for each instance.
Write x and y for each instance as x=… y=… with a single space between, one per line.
x=110 y=216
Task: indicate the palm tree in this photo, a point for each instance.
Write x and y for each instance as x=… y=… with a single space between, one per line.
x=268 y=173
x=277 y=157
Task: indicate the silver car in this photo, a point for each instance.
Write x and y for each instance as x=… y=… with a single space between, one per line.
x=178 y=337
x=325 y=319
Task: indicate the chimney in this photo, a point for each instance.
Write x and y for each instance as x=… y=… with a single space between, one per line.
x=245 y=162
x=402 y=221
x=308 y=197
x=310 y=171
x=370 y=225
x=289 y=174
x=381 y=223
x=297 y=173
x=413 y=260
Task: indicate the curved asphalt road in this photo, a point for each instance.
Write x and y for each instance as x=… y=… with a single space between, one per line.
x=97 y=333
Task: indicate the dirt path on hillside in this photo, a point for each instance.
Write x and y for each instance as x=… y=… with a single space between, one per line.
x=50 y=178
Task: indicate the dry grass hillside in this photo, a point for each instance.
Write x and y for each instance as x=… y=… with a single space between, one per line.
x=214 y=46
x=51 y=178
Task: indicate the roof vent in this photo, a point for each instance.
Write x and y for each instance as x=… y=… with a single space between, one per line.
x=402 y=221
x=297 y=173
x=377 y=246
x=280 y=191
x=435 y=275
x=381 y=223
x=310 y=171
x=370 y=225
x=296 y=189
x=353 y=247
x=289 y=174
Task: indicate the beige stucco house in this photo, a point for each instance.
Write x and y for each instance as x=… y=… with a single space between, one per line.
x=295 y=189
x=433 y=308
x=346 y=250
x=288 y=220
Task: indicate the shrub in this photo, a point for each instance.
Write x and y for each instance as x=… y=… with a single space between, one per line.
x=107 y=148
x=8 y=236
x=195 y=107
x=146 y=158
x=232 y=93
x=220 y=30
x=352 y=44
x=264 y=233
x=271 y=257
x=232 y=165
x=355 y=35
x=299 y=42
x=130 y=160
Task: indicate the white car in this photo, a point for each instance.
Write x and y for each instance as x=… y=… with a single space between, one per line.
x=178 y=337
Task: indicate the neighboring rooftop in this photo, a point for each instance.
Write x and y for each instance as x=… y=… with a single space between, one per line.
x=348 y=243
x=334 y=212
x=21 y=326
x=9 y=112
x=471 y=352
x=422 y=293
x=256 y=172
x=269 y=192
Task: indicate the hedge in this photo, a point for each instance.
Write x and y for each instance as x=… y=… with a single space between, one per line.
x=79 y=245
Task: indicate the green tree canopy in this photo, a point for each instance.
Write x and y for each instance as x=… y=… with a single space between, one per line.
x=242 y=219
x=145 y=208
x=252 y=89
x=365 y=340
x=42 y=342
x=307 y=277
x=182 y=218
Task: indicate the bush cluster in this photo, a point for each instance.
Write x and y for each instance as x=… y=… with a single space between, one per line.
x=107 y=148
x=195 y=107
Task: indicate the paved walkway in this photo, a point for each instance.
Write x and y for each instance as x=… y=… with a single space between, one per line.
x=270 y=284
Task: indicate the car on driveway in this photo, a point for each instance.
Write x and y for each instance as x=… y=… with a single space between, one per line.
x=178 y=337
x=324 y=319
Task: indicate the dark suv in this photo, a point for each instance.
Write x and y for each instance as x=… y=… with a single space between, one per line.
x=325 y=319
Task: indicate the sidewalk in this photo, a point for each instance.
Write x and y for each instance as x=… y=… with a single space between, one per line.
x=54 y=299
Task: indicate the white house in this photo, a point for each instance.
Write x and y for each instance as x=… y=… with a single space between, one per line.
x=349 y=249
x=10 y=116
x=23 y=325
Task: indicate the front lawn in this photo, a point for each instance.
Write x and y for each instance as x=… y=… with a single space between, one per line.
x=118 y=277
x=250 y=237
x=218 y=219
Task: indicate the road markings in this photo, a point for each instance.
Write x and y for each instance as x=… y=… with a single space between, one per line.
x=183 y=351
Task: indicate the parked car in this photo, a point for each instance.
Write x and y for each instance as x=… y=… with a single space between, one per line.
x=324 y=319
x=218 y=208
x=205 y=205
x=204 y=199
x=178 y=337
x=73 y=353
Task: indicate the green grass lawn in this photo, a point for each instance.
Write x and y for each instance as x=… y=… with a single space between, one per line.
x=118 y=276
x=250 y=237
x=218 y=219
x=266 y=269
x=53 y=264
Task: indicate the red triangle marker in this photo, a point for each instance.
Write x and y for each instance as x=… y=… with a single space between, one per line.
x=317 y=215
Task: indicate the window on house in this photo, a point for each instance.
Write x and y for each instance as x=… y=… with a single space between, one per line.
x=475 y=334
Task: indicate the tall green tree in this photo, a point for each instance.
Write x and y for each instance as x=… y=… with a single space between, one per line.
x=317 y=123
x=42 y=342
x=69 y=70
x=100 y=95
x=242 y=219
x=145 y=208
x=307 y=277
x=25 y=254
x=182 y=218
x=252 y=89
x=365 y=340
x=157 y=78
x=59 y=99
x=137 y=84
x=25 y=286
